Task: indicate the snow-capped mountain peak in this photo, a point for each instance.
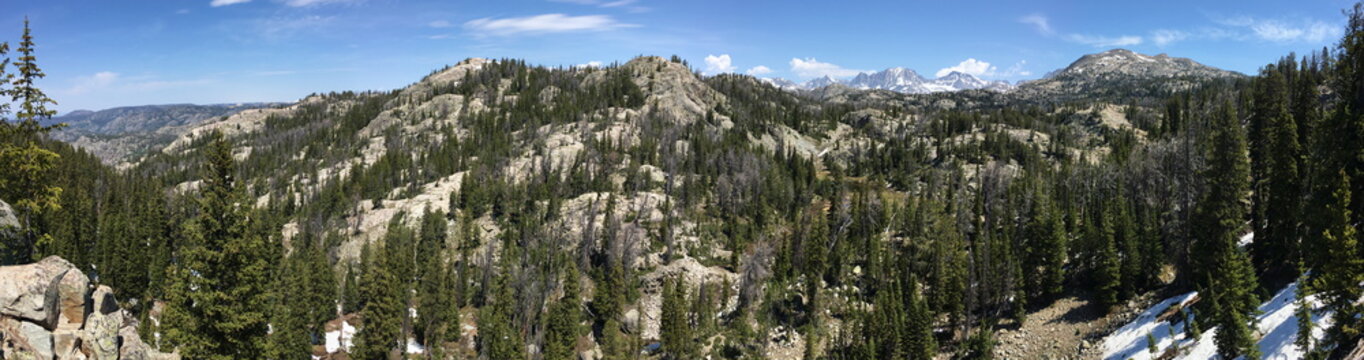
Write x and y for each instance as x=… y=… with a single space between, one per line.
x=898 y=79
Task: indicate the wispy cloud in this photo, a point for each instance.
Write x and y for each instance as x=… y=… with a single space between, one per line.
x=1164 y=37
x=758 y=70
x=1017 y=70
x=108 y=82
x=282 y=27
x=626 y=4
x=719 y=64
x=1280 y=31
x=1104 y=41
x=217 y=3
x=1038 y=21
x=304 y=3
x=439 y=24
x=1252 y=29
x=1043 y=26
x=809 y=68
x=542 y=24
x=97 y=81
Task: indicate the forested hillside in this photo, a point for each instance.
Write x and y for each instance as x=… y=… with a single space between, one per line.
x=496 y=209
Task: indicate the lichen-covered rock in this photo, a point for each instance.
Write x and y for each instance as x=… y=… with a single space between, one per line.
x=33 y=292
x=100 y=337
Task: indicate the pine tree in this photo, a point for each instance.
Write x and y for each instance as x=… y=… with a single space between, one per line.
x=1336 y=282
x=289 y=337
x=1108 y=272
x=1046 y=234
x=497 y=337
x=384 y=309
x=26 y=169
x=1277 y=195
x=565 y=318
x=1304 y=341
x=675 y=330
x=920 y=343
x=217 y=301
x=434 y=296
x=948 y=269
x=1229 y=277
x=888 y=323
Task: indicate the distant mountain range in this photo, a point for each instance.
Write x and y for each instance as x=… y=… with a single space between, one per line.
x=899 y=80
x=117 y=134
x=122 y=134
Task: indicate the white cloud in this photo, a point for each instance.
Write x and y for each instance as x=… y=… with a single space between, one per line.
x=439 y=24
x=590 y=64
x=1164 y=37
x=719 y=64
x=1104 y=41
x=217 y=3
x=1039 y=21
x=969 y=66
x=97 y=81
x=809 y=68
x=758 y=70
x=546 y=23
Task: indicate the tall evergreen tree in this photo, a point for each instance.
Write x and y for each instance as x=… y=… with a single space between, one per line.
x=1229 y=277
x=1107 y=272
x=1337 y=280
x=384 y=308
x=920 y=343
x=217 y=300
x=565 y=318
x=675 y=329
x=26 y=169
x=1277 y=190
x=1046 y=235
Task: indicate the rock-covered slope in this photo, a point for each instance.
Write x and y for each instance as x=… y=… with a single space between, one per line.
x=1121 y=72
x=51 y=310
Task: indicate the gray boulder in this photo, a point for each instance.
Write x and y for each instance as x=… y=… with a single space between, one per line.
x=34 y=291
x=24 y=340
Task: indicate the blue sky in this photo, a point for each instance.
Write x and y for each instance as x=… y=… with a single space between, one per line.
x=101 y=54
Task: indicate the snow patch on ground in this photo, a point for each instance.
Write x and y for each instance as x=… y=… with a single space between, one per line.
x=340 y=339
x=1245 y=240
x=413 y=347
x=1130 y=342
x=1277 y=326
